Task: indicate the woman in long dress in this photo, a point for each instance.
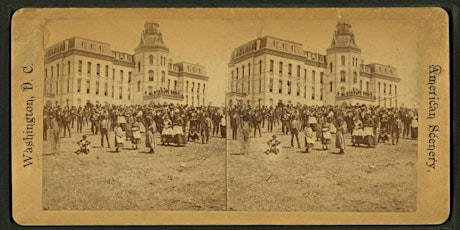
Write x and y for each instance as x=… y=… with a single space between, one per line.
x=326 y=135
x=357 y=135
x=368 y=131
x=339 y=138
x=149 y=136
x=309 y=138
x=167 y=132
x=136 y=135
x=119 y=137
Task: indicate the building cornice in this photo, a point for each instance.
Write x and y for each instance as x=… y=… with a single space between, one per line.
x=191 y=75
x=343 y=49
x=381 y=76
x=150 y=48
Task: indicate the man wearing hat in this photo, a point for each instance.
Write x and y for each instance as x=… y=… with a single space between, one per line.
x=104 y=130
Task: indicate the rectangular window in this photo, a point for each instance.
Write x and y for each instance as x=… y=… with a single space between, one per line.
x=79 y=85
x=260 y=84
x=139 y=86
x=321 y=77
x=113 y=74
x=313 y=93
x=68 y=85
x=80 y=63
x=98 y=69
x=68 y=67
x=121 y=93
x=280 y=90
x=113 y=91
x=57 y=70
x=271 y=65
x=270 y=85
x=313 y=76
x=396 y=91
x=121 y=75
x=97 y=88
x=298 y=89
x=89 y=67
x=129 y=93
x=289 y=87
x=281 y=67
x=106 y=71
x=298 y=70
x=289 y=69
x=106 y=88
x=87 y=87
x=129 y=76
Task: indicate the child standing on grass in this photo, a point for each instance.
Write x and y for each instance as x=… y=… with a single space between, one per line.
x=83 y=145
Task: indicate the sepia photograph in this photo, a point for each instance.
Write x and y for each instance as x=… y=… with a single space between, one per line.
x=320 y=115
x=324 y=117
x=132 y=117
x=230 y=116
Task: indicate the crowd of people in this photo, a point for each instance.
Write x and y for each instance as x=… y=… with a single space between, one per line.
x=175 y=124
x=181 y=124
x=368 y=125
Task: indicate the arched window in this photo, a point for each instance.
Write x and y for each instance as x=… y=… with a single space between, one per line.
x=343 y=60
x=342 y=76
x=355 y=77
x=162 y=76
x=151 y=59
x=150 y=75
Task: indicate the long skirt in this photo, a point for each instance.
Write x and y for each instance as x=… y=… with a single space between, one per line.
x=179 y=139
x=119 y=141
x=339 y=141
x=150 y=140
x=326 y=137
x=414 y=132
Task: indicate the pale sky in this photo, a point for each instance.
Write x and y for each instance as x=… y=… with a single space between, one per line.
x=209 y=42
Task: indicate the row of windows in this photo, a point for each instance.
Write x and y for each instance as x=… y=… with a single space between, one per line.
x=384 y=100
x=88 y=88
x=354 y=62
x=192 y=87
x=151 y=62
x=390 y=87
x=192 y=100
x=105 y=89
x=89 y=69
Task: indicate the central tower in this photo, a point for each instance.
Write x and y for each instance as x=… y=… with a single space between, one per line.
x=343 y=63
x=151 y=63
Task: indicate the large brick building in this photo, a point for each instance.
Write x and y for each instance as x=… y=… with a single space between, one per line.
x=269 y=70
x=79 y=70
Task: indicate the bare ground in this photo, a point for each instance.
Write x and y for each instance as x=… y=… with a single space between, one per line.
x=174 y=178
x=380 y=179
